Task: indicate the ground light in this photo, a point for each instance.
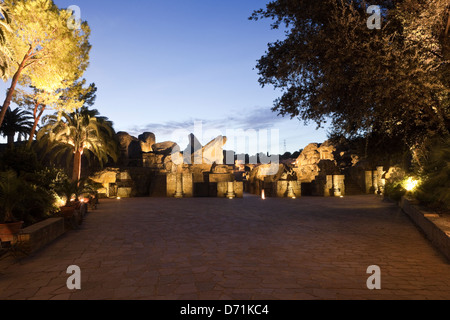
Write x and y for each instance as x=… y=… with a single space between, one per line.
x=60 y=202
x=411 y=184
x=263 y=194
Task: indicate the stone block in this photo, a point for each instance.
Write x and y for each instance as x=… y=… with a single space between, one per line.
x=39 y=235
x=187 y=185
x=147 y=140
x=438 y=235
x=124 y=176
x=221 y=177
x=287 y=189
x=106 y=178
x=153 y=160
x=222 y=189
x=239 y=189
x=124 y=192
x=171 y=185
x=369 y=181
x=281 y=189
x=339 y=185
x=328 y=190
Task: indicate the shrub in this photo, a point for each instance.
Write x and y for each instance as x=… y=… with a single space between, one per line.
x=434 y=190
x=20 y=159
x=28 y=197
x=395 y=190
x=12 y=196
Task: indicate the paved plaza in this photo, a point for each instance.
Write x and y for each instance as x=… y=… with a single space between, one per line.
x=241 y=249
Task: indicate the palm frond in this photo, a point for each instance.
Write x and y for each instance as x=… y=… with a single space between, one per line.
x=81 y=130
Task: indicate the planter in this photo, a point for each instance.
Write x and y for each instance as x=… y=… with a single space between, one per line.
x=74 y=215
x=438 y=234
x=67 y=212
x=10 y=231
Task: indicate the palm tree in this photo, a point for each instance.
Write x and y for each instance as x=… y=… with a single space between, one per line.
x=82 y=132
x=5 y=54
x=16 y=122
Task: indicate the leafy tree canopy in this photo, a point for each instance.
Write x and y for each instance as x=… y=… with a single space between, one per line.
x=5 y=54
x=49 y=55
x=393 y=81
x=55 y=54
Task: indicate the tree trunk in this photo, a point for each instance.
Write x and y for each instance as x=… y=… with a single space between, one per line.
x=11 y=140
x=447 y=28
x=12 y=88
x=76 y=176
x=37 y=117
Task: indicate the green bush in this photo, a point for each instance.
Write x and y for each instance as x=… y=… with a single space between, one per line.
x=39 y=204
x=47 y=178
x=20 y=159
x=67 y=188
x=434 y=190
x=28 y=197
x=12 y=197
x=395 y=191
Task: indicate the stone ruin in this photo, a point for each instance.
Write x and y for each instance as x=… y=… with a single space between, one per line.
x=148 y=168
x=322 y=170
x=314 y=172
x=282 y=185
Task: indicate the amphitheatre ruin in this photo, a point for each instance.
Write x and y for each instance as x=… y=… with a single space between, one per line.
x=148 y=168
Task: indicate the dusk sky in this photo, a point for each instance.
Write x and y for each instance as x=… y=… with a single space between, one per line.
x=161 y=65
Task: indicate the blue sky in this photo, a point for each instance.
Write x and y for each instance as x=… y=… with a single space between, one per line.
x=161 y=65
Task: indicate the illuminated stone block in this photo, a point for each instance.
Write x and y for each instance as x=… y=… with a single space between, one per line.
x=223 y=189
x=180 y=185
x=369 y=181
x=339 y=185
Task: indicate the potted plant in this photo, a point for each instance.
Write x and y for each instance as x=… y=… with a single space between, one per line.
x=74 y=208
x=12 y=196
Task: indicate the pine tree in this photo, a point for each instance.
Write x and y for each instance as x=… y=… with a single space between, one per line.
x=5 y=54
x=62 y=100
x=47 y=52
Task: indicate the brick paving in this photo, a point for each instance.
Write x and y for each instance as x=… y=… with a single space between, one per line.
x=241 y=249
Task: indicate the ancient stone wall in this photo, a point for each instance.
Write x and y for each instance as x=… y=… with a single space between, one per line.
x=148 y=168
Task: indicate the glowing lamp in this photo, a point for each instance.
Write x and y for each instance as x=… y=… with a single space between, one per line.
x=60 y=202
x=411 y=184
x=263 y=195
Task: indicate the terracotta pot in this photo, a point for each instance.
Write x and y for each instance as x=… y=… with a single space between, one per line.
x=67 y=212
x=9 y=231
